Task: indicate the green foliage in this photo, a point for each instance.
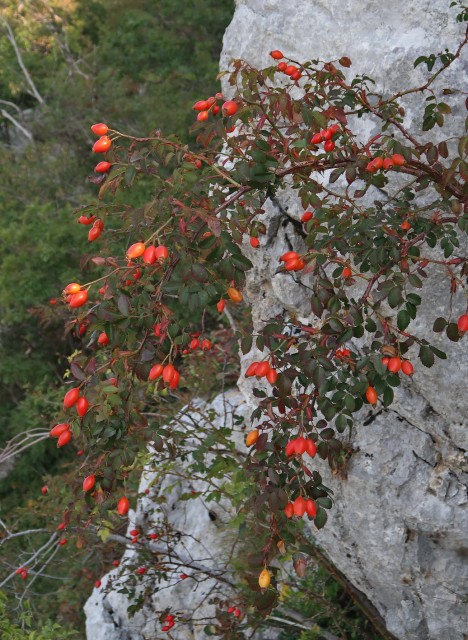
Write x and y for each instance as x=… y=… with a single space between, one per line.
x=27 y=628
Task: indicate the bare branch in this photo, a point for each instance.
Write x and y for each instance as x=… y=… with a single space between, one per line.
x=19 y=126
x=29 y=80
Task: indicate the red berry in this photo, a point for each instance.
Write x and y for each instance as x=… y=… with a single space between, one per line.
x=387 y=164
x=326 y=134
x=136 y=250
x=306 y=216
x=371 y=395
x=161 y=252
x=63 y=541
x=405 y=225
x=290 y=69
x=272 y=376
x=347 y=273
x=230 y=108
x=102 y=145
x=71 y=397
x=183 y=576
x=61 y=526
x=282 y=66
x=102 y=167
x=276 y=54
x=206 y=345
x=398 y=160
x=94 y=233
x=44 y=490
x=251 y=370
x=103 y=339
x=311 y=447
x=394 y=364
x=462 y=323
x=289 y=510
x=317 y=138
x=89 y=482
x=262 y=369
x=254 y=242
x=64 y=439
x=301 y=445
x=299 y=506
x=289 y=255
x=123 y=505
x=407 y=368
x=82 y=406
x=311 y=508
x=202 y=116
x=237 y=613
x=329 y=145
x=155 y=371
x=78 y=299
x=201 y=105
x=220 y=305
x=168 y=373
x=86 y=220
x=100 y=129
x=290 y=449
x=378 y=162
x=97 y=584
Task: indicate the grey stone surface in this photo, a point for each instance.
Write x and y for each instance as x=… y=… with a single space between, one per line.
x=399 y=528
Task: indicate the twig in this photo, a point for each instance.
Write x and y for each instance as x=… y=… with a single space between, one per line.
x=19 y=57
x=19 y=126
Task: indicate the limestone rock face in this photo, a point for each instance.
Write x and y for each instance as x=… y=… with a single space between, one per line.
x=398 y=530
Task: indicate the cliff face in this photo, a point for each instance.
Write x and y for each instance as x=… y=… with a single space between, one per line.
x=398 y=528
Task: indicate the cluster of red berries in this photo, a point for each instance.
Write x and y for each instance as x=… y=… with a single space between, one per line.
x=396 y=160
x=342 y=354
x=262 y=370
x=289 y=69
x=299 y=507
x=75 y=296
x=149 y=255
x=62 y=432
x=235 y=611
x=23 y=572
x=292 y=261
x=198 y=343
x=395 y=363
x=205 y=107
x=73 y=399
x=102 y=145
x=326 y=136
x=169 y=621
x=169 y=374
x=301 y=445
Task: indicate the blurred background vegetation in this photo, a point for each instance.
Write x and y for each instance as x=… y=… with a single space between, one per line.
x=139 y=66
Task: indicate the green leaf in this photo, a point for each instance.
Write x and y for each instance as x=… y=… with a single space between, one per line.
x=395 y=297
x=426 y=356
x=403 y=319
x=439 y=325
x=321 y=518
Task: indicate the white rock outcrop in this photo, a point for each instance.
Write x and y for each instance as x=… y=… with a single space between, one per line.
x=398 y=530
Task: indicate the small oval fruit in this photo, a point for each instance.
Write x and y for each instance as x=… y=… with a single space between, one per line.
x=299 y=506
x=405 y=225
x=289 y=255
x=100 y=129
x=251 y=370
x=398 y=160
x=282 y=66
x=220 y=305
x=262 y=369
x=301 y=445
x=102 y=145
x=45 y=490
x=378 y=162
x=306 y=216
x=254 y=242
x=317 y=138
x=149 y=255
x=272 y=376
x=462 y=323
x=123 y=506
x=311 y=447
x=64 y=439
x=201 y=105
x=276 y=54
x=78 y=299
x=72 y=288
x=394 y=364
x=329 y=145
x=371 y=395
x=264 y=579
x=206 y=344
x=89 y=482
x=311 y=508
x=155 y=371
x=161 y=252
x=230 y=108
x=289 y=510
x=407 y=368
x=173 y=384
x=136 y=250
x=347 y=273
x=252 y=437
x=235 y=295
x=94 y=233
x=71 y=397
x=103 y=339
x=102 y=167
x=82 y=406
x=168 y=373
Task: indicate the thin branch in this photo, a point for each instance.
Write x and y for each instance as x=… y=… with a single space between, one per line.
x=19 y=126
x=19 y=57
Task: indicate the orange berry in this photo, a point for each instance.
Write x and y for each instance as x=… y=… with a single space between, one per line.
x=155 y=371
x=89 y=482
x=78 y=299
x=123 y=506
x=136 y=250
x=276 y=54
x=398 y=160
x=251 y=437
x=235 y=295
x=299 y=506
x=371 y=395
x=407 y=368
x=230 y=108
x=102 y=145
x=100 y=129
x=102 y=167
x=394 y=364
